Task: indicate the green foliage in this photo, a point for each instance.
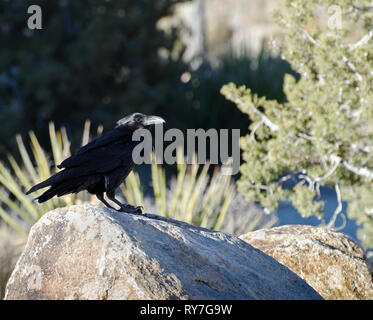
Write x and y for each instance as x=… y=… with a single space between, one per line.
x=323 y=133
x=17 y=179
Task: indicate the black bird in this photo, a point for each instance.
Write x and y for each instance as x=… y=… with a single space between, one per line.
x=101 y=165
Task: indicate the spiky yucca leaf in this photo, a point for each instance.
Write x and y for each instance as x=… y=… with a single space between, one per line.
x=17 y=209
x=194 y=196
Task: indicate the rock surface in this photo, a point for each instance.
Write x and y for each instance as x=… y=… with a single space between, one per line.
x=330 y=262
x=90 y=252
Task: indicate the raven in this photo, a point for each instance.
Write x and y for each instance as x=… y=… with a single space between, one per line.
x=101 y=165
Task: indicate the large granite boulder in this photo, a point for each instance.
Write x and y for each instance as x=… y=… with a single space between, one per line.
x=91 y=252
x=330 y=262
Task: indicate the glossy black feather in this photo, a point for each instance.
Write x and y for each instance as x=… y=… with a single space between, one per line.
x=99 y=166
x=107 y=140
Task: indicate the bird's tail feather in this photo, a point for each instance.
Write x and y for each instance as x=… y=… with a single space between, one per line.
x=40 y=185
x=54 y=190
x=53 y=180
x=50 y=193
x=60 y=189
x=62 y=183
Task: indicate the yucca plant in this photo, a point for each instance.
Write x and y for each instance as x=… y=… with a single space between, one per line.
x=192 y=196
x=35 y=167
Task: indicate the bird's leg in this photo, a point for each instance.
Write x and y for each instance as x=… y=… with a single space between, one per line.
x=124 y=207
x=100 y=197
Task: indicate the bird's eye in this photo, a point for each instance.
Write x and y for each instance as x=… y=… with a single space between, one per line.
x=138 y=118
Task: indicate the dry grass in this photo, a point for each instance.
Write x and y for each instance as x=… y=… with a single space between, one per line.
x=11 y=245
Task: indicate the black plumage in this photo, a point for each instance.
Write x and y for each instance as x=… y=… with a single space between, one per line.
x=101 y=165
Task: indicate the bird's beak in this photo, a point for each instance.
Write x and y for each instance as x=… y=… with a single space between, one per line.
x=150 y=120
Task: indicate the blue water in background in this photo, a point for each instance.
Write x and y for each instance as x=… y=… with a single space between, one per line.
x=288 y=215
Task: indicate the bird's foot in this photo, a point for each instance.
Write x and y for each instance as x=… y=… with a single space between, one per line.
x=131 y=209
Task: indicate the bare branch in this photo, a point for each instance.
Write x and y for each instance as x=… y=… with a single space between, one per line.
x=338 y=210
x=310 y=181
x=366 y=149
x=362 y=41
x=239 y=101
x=340 y=91
x=285 y=178
x=366 y=8
x=352 y=68
x=349 y=64
x=336 y=161
x=341 y=227
x=369 y=212
x=363 y=172
x=252 y=134
x=308 y=36
x=265 y=119
x=306 y=136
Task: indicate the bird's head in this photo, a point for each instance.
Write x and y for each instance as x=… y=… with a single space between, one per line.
x=138 y=120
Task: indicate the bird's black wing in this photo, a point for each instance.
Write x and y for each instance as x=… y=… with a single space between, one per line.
x=104 y=159
x=99 y=145
x=97 y=161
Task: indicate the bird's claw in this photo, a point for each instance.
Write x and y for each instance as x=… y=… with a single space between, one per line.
x=131 y=209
